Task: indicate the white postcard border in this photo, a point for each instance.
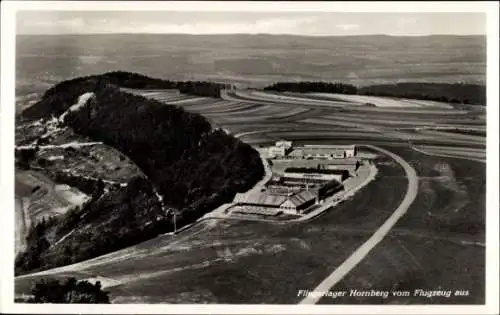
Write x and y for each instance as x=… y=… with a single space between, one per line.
x=7 y=155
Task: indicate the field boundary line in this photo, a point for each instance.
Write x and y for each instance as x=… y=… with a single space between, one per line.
x=361 y=252
x=446 y=155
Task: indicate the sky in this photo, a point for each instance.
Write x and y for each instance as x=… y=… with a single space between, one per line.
x=227 y=22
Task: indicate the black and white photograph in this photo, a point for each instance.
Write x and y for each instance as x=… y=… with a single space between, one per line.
x=318 y=157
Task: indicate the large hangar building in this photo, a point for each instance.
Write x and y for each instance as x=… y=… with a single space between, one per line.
x=294 y=203
x=285 y=149
x=315 y=174
x=299 y=202
x=260 y=198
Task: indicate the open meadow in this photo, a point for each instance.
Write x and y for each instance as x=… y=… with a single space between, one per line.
x=38 y=197
x=443 y=233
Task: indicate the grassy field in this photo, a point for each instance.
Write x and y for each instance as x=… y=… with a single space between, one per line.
x=45 y=196
x=38 y=197
x=475 y=154
x=438 y=244
x=453 y=193
x=97 y=161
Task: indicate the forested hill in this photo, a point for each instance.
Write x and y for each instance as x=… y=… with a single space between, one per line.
x=474 y=94
x=459 y=93
x=62 y=95
x=194 y=167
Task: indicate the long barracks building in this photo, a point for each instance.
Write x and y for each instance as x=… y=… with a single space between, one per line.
x=285 y=149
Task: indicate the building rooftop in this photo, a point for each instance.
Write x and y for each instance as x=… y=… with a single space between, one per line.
x=302 y=197
x=261 y=198
x=331 y=146
x=340 y=161
x=308 y=170
x=323 y=150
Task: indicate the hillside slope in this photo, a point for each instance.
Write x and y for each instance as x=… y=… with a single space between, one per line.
x=194 y=167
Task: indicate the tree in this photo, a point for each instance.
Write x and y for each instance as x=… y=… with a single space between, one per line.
x=72 y=291
x=99 y=188
x=25 y=156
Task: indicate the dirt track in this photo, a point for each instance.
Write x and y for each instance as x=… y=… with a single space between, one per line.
x=361 y=252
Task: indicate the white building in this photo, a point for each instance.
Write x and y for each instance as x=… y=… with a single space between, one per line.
x=280 y=149
x=329 y=151
x=277 y=152
x=284 y=144
x=324 y=177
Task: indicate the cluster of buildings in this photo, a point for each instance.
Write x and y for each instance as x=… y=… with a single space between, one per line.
x=298 y=187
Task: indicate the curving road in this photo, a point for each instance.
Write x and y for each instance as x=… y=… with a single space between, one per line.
x=380 y=233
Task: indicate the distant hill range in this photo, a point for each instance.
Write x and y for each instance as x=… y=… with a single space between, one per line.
x=255 y=60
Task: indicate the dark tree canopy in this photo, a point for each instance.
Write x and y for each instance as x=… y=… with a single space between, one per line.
x=473 y=94
x=62 y=95
x=463 y=93
x=303 y=87
x=71 y=291
x=25 y=156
